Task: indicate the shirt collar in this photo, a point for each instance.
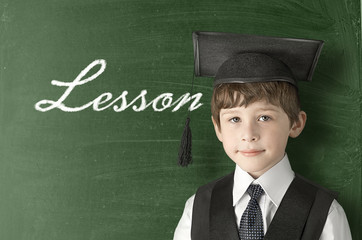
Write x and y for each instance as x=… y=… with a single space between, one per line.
x=275 y=181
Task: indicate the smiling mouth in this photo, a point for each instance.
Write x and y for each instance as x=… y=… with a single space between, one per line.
x=251 y=152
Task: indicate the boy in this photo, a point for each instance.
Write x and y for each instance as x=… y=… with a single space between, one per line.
x=255 y=109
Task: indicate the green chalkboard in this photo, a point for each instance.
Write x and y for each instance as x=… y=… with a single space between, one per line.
x=94 y=95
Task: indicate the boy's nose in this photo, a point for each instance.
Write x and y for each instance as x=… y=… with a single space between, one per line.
x=249 y=134
x=250 y=138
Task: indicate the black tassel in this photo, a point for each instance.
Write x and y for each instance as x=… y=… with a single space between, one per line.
x=184 y=154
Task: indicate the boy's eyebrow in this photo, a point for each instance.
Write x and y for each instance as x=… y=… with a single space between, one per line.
x=229 y=111
x=232 y=111
x=269 y=109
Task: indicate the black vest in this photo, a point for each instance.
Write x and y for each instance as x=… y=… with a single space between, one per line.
x=301 y=214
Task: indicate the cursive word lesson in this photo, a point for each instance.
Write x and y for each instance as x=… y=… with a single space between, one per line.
x=118 y=104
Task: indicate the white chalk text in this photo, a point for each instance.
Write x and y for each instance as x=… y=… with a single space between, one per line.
x=118 y=104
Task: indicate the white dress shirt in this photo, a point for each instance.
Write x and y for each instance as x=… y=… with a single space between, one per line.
x=275 y=183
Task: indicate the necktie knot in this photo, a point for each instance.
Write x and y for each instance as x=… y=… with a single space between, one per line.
x=255 y=191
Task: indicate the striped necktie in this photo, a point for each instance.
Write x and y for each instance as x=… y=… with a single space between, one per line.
x=251 y=223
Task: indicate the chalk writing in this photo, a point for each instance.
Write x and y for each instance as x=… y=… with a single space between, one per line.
x=120 y=103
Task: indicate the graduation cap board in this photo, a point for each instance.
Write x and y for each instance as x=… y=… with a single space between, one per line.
x=242 y=58
x=239 y=58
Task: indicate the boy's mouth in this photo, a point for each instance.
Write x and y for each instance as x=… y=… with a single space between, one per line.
x=251 y=152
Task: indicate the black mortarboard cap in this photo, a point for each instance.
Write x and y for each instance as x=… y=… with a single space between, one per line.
x=239 y=58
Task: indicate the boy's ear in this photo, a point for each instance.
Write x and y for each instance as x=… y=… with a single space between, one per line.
x=217 y=129
x=298 y=127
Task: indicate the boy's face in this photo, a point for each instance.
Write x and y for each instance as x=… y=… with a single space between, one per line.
x=255 y=137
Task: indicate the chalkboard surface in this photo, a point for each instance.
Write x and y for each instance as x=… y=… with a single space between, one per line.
x=94 y=95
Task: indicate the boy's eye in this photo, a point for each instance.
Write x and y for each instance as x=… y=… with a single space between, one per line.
x=264 y=118
x=235 y=119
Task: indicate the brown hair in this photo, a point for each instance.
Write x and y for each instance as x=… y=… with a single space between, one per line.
x=281 y=94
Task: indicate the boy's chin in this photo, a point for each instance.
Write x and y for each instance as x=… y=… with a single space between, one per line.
x=255 y=170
